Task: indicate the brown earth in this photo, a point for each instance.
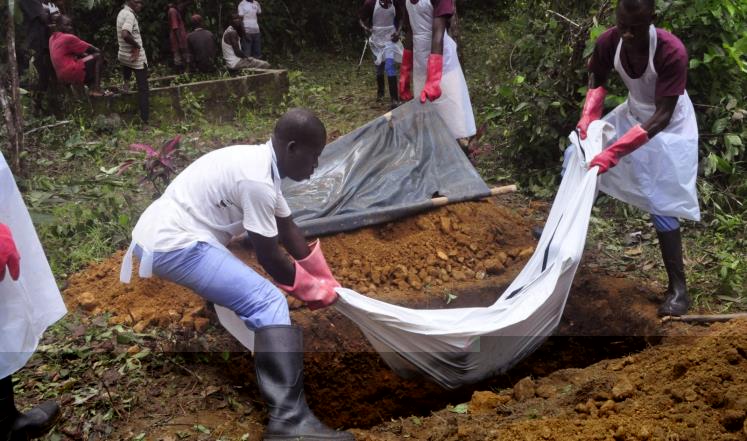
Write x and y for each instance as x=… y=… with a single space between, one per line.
x=690 y=388
x=460 y=255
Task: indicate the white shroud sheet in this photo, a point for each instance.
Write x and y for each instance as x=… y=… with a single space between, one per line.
x=460 y=346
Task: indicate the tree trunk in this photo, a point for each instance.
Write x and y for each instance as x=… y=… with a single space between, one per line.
x=10 y=97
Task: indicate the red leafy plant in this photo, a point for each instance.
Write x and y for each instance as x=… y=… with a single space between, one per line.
x=158 y=166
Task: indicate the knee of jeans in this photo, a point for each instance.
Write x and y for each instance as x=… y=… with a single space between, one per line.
x=391 y=71
x=270 y=309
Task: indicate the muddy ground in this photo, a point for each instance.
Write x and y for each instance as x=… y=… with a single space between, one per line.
x=455 y=256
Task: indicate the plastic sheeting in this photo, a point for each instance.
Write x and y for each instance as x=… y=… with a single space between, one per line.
x=465 y=345
x=387 y=169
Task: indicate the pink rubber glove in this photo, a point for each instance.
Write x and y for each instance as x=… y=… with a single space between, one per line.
x=317 y=266
x=432 y=89
x=592 y=111
x=8 y=254
x=405 y=74
x=317 y=293
x=609 y=157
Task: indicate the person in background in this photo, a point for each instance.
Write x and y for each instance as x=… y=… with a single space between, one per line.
x=74 y=60
x=653 y=164
x=201 y=44
x=251 y=42
x=36 y=21
x=132 y=54
x=231 y=46
x=380 y=18
x=178 y=36
x=230 y=191
x=29 y=302
x=430 y=58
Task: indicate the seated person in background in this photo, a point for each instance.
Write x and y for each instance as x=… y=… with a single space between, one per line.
x=231 y=45
x=74 y=60
x=201 y=43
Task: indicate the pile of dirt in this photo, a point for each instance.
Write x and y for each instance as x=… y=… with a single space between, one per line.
x=410 y=262
x=688 y=388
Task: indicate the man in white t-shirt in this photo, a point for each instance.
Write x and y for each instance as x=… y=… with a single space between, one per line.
x=249 y=11
x=182 y=236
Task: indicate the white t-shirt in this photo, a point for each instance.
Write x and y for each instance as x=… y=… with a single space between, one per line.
x=249 y=11
x=219 y=196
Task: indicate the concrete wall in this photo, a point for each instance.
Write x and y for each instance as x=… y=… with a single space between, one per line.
x=215 y=100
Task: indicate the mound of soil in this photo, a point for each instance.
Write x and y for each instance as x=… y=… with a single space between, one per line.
x=692 y=388
x=410 y=262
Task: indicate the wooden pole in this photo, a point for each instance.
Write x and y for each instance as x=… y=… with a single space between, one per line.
x=443 y=200
x=712 y=318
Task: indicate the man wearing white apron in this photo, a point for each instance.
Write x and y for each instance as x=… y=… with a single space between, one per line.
x=29 y=303
x=381 y=19
x=182 y=236
x=431 y=57
x=655 y=157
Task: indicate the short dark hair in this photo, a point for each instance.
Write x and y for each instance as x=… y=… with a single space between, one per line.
x=636 y=5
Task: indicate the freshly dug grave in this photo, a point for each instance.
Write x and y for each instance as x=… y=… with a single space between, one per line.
x=690 y=388
x=455 y=256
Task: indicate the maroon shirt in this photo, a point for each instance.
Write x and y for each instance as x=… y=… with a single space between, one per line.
x=670 y=61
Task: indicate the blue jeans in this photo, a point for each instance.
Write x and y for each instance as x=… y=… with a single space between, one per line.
x=662 y=224
x=387 y=66
x=251 y=44
x=219 y=277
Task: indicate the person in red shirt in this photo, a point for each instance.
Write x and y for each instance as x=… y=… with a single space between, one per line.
x=74 y=60
x=178 y=36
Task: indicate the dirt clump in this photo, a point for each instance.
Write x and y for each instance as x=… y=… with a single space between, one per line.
x=687 y=388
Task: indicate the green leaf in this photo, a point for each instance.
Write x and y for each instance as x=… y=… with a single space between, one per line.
x=460 y=408
x=201 y=428
x=139 y=437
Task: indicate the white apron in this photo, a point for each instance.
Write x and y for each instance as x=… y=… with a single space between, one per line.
x=382 y=29
x=33 y=302
x=659 y=177
x=454 y=105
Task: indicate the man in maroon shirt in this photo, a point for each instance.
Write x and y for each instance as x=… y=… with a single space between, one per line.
x=657 y=145
x=74 y=60
x=178 y=35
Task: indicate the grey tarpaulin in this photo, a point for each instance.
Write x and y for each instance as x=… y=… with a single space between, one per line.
x=387 y=169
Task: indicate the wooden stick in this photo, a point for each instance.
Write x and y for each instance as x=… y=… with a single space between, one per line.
x=704 y=318
x=48 y=126
x=443 y=200
x=565 y=18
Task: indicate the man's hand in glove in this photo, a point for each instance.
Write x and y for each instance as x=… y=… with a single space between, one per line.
x=8 y=254
x=630 y=141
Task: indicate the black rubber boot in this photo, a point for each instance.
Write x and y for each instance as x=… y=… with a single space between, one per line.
x=8 y=412
x=36 y=422
x=393 y=92
x=379 y=87
x=278 y=358
x=677 y=301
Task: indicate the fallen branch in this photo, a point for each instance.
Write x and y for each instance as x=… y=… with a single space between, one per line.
x=48 y=126
x=565 y=18
x=703 y=318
